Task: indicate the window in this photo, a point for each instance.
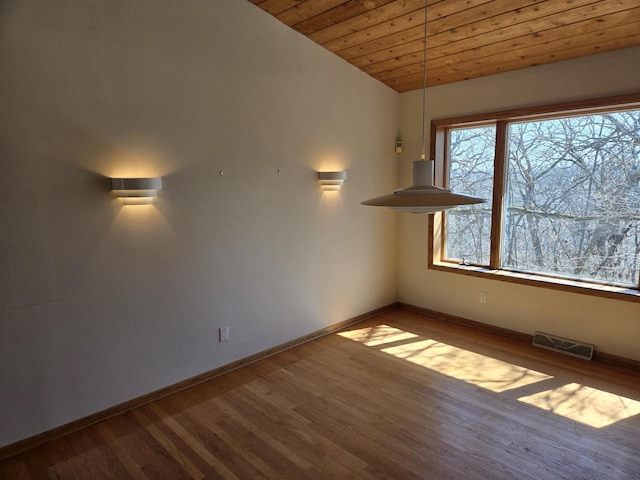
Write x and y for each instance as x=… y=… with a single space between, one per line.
x=563 y=190
x=471 y=153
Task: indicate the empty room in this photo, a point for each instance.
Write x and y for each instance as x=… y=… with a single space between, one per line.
x=348 y=239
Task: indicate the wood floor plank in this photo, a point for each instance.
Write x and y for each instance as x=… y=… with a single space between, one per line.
x=38 y=465
x=144 y=450
x=180 y=444
x=236 y=448
x=133 y=469
x=201 y=444
x=83 y=460
x=157 y=433
x=398 y=396
x=15 y=469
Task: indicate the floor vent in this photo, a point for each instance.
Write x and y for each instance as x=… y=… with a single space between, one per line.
x=563 y=345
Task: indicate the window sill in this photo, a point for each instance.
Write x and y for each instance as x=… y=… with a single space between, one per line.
x=615 y=292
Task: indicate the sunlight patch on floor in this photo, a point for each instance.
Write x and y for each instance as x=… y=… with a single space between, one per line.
x=586 y=405
x=378 y=335
x=470 y=367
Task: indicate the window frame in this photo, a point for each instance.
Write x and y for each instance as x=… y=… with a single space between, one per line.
x=437 y=234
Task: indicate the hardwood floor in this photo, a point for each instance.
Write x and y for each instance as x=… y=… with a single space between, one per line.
x=399 y=396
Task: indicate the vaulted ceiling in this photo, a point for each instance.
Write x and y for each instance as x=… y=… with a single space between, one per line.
x=466 y=38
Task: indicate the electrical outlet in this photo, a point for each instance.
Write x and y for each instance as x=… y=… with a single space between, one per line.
x=483 y=297
x=223 y=334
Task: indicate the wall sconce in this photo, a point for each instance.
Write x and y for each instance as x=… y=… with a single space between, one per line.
x=136 y=191
x=332 y=180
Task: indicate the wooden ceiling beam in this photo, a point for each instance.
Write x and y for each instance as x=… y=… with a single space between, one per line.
x=336 y=15
x=397 y=56
x=467 y=38
x=549 y=57
x=383 y=44
x=371 y=18
x=491 y=12
x=528 y=43
x=499 y=63
x=274 y=7
x=307 y=9
x=387 y=34
x=444 y=28
x=560 y=49
x=507 y=38
x=398 y=24
x=618 y=25
x=484 y=31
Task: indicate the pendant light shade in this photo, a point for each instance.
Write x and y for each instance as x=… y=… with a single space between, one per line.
x=423 y=196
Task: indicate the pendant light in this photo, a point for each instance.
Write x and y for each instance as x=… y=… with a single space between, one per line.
x=423 y=196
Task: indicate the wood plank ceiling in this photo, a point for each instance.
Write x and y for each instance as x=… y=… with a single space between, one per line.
x=466 y=38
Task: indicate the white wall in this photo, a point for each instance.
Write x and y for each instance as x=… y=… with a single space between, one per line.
x=100 y=303
x=613 y=326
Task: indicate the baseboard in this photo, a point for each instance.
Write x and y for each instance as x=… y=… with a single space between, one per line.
x=40 y=438
x=505 y=332
x=616 y=360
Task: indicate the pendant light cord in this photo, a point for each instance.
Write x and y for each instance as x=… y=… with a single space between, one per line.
x=424 y=89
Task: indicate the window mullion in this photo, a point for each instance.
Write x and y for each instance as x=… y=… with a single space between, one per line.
x=499 y=186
